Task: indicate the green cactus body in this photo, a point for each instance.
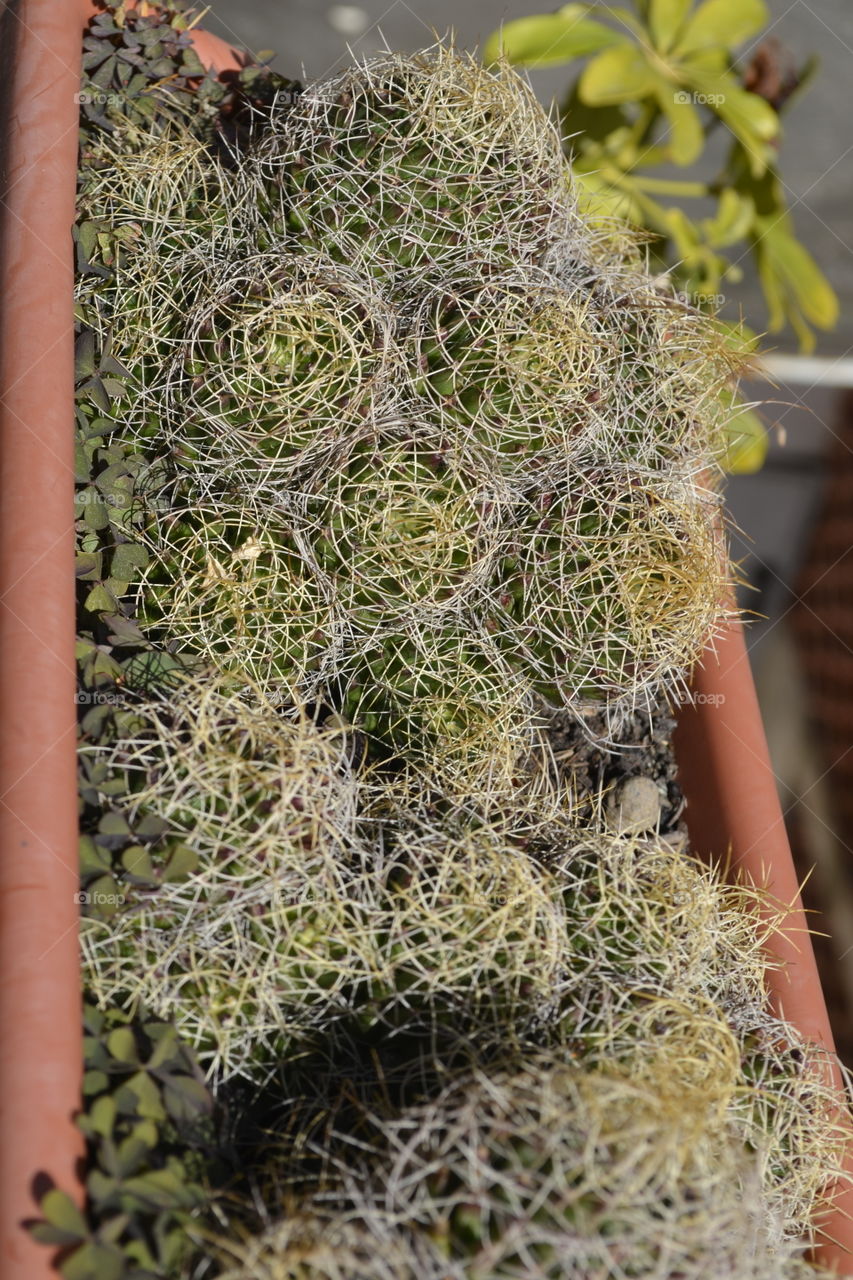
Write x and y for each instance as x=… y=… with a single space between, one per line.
x=452 y=707
x=237 y=591
x=408 y=163
x=515 y=362
x=240 y=949
x=408 y=527
x=282 y=362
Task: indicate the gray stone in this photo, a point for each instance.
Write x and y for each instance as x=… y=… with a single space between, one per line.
x=634 y=806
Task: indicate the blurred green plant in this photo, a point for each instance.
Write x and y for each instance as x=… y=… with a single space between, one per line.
x=660 y=81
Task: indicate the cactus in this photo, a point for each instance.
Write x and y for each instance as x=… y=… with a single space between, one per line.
x=418 y=456
x=284 y=357
x=241 y=592
x=410 y=525
x=545 y=1171
x=503 y=426
x=259 y=924
x=404 y=164
x=448 y=706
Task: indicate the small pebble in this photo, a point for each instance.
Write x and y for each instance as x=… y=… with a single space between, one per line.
x=634 y=806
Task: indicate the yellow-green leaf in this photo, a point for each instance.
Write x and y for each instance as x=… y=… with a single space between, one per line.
x=735 y=214
x=121 y=1043
x=548 y=39
x=752 y=120
x=621 y=74
x=796 y=274
x=723 y=22
x=102 y=1115
x=666 y=20
x=61 y=1212
x=746 y=442
x=600 y=201
x=686 y=138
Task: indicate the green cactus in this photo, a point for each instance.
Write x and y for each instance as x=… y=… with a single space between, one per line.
x=409 y=526
x=257 y=930
x=448 y=705
x=609 y=587
x=237 y=591
x=407 y=452
x=404 y=163
x=545 y=1171
x=282 y=360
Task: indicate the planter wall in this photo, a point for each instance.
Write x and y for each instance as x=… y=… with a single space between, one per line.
x=40 y=1038
x=733 y=809
x=40 y=1013
x=722 y=753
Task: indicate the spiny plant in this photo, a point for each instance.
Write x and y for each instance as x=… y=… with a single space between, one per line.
x=410 y=524
x=608 y=584
x=403 y=164
x=295 y=907
x=258 y=923
x=283 y=360
x=450 y=707
x=546 y=1170
x=509 y=443
x=500 y=500
x=240 y=591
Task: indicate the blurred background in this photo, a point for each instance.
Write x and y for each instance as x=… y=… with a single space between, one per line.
x=793 y=518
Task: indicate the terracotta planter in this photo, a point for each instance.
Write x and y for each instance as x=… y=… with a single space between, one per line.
x=733 y=809
x=40 y=1014
x=721 y=748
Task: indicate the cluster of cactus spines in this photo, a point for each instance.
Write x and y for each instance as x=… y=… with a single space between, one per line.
x=319 y=905
x=548 y=1170
x=298 y=911
x=516 y=361
x=453 y=709
x=170 y=213
x=261 y=923
x=241 y=592
x=429 y=454
x=282 y=360
x=404 y=164
x=497 y=422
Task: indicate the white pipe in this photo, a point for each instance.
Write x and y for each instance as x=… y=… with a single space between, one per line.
x=806 y=371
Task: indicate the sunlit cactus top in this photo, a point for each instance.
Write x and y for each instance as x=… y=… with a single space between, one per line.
x=455 y=405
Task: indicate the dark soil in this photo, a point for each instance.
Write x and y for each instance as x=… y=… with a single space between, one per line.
x=645 y=750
